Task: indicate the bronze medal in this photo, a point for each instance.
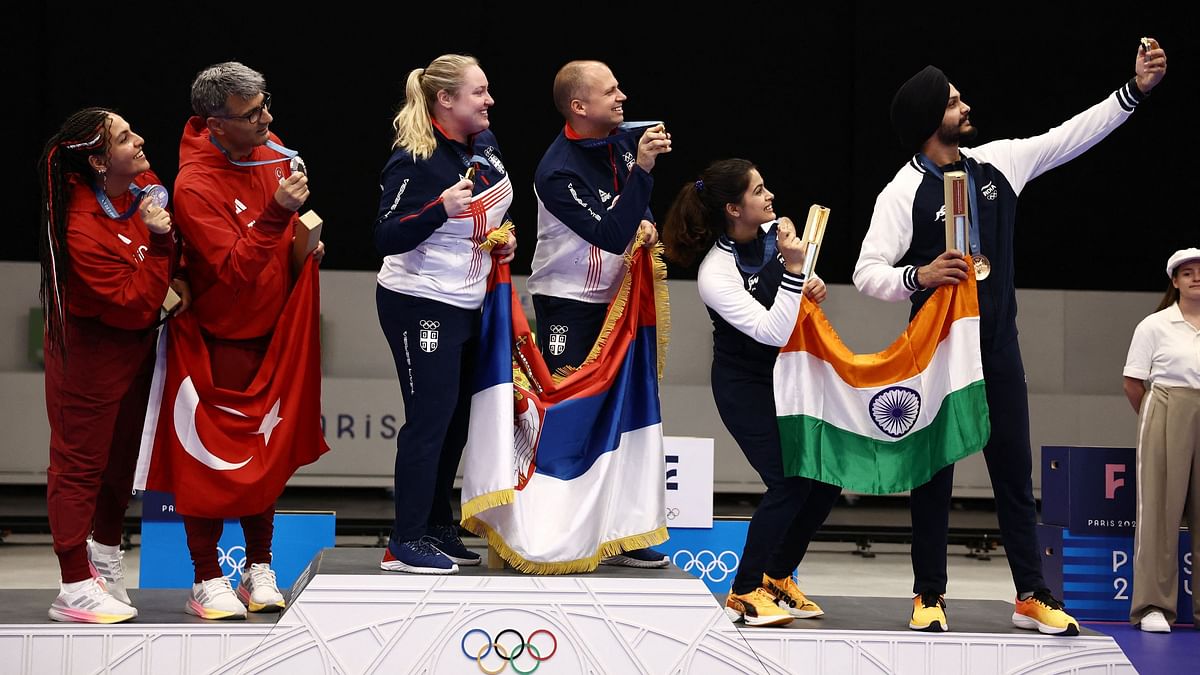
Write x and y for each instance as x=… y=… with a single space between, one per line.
x=983 y=266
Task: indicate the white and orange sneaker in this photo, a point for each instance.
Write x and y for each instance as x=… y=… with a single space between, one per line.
x=214 y=599
x=789 y=597
x=756 y=608
x=1045 y=614
x=89 y=601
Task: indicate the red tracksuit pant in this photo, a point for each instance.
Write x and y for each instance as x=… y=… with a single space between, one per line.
x=96 y=403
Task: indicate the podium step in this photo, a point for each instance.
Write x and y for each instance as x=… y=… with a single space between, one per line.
x=345 y=615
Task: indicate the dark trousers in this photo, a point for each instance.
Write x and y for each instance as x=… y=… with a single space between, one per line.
x=793 y=508
x=567 y=329
x=204 y=533
x=235 y=364
x=96 y=403
x=1010 y=467
x=434 y=346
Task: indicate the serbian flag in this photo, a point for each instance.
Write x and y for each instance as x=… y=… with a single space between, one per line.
x=559 y=472
x=884 y=423
x=226 y=453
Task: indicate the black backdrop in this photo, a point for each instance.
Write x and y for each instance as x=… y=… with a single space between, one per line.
x=802 y=91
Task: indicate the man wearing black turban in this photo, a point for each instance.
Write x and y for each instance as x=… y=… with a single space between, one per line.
x=903 y=257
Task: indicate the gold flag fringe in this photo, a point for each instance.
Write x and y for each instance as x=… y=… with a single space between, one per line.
x=497 y=236
x=489 y=500
x=578 y=566
x=662 y=306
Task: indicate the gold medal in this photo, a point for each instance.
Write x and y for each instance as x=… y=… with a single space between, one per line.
x=983 y=266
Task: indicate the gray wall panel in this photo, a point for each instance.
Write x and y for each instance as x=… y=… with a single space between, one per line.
x=1073 y=342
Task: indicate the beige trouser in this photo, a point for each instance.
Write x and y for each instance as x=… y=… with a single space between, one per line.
x=1168 y=477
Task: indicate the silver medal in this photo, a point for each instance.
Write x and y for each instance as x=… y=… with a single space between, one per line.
x=157 y=195
x=297 y=165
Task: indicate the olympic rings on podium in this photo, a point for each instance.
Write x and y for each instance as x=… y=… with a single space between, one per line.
x=507 y=656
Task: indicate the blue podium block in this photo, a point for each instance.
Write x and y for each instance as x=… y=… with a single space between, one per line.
x=1089 y=490
x=712 y=554
x=166 y=563
x=1093 y=574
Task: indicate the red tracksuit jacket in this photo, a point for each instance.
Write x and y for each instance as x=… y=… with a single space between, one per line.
x=237 y=239
x=119 y=270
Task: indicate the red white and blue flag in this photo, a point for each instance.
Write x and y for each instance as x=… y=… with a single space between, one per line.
x=560 y=472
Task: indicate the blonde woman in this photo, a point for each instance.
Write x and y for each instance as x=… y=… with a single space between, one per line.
x=444 y=188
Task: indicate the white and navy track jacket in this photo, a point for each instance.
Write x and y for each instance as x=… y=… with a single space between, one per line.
x=583 y=228
x=908 y=225
x=753 y=314
x=427 y=252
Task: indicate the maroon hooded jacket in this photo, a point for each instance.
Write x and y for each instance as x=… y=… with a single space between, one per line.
x=119 y=270
x=237 y=238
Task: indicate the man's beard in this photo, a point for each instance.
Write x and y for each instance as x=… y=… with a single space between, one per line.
x=954 y=135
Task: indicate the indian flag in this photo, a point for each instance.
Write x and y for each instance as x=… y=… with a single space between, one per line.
x=886 y=422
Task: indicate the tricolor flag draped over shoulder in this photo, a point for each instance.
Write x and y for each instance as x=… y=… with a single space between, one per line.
x=886 y=422
x=557 y=475
x=226 y=453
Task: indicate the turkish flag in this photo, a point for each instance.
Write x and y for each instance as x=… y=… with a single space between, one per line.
x=226 y=453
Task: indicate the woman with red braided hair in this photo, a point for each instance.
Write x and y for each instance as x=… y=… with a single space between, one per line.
x=107 y=253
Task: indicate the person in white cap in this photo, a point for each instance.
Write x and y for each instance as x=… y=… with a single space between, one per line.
x=1162 y=381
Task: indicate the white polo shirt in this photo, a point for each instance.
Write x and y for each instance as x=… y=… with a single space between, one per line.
x=1165 y=350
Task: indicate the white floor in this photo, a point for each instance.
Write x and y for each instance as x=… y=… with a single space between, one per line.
x=27 y=561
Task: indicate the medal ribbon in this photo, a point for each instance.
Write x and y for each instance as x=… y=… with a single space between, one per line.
x=138 y=194
x=287 y=153
x=624 y=130
x=770 y=246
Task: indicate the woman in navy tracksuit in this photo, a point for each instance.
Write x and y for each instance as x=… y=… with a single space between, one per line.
x=752 y=281
x=444 y=189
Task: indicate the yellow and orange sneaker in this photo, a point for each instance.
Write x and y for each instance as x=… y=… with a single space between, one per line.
x=929 y=613
x=1045 y=614
x=756 y=608
x=789 y=597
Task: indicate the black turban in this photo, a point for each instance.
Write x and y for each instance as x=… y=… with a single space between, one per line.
x=919 y=105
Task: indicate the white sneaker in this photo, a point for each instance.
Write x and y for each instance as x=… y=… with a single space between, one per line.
x=107 y=562
x=214 y=599
x=258 y=590
x=1155 y=622
x=89 y=602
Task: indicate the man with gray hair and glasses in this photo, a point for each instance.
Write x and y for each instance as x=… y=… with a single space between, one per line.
x=236 y=199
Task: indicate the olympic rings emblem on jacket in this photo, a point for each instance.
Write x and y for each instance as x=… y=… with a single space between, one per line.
x=706 y=564
x=508 y=656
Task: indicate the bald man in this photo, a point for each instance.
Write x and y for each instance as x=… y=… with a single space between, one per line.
x=593 y=190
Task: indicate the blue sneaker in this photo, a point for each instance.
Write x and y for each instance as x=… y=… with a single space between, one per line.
x=445 y=539
x=642 y=557
x=416 y=557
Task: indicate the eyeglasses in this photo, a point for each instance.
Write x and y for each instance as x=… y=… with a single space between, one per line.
x=255 y=114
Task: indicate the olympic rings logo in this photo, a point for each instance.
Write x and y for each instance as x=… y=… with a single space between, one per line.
x=706 y=564
x=672 y=513
x=508 y=656
x=428 y=324
x=231 y=560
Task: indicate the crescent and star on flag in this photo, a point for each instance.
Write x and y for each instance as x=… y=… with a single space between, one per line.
x=186 y=401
